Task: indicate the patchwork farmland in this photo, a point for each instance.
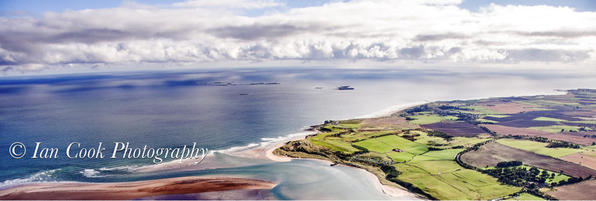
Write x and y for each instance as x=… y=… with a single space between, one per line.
x=499 y=148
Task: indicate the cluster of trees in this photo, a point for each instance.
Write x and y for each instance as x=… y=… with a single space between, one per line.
x=440 y=134
x=420 y=108
x=467 y=117
x=536 y=139
x=520 y=176
x=580 y=129
x=509 y=164
x=409 y=136
x=485 y=129
x=450 y=107
x=573 y=180
x=556 y=144
x=324 y=129
x=531 y=178
x=583 y=129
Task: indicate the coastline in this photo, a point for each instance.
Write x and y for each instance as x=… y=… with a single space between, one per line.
x=390 y=190
x=262 y=150
x=131 y=190
x=266 y=151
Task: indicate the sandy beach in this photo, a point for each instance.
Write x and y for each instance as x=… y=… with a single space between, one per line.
x=265 y=151
x=131 y=190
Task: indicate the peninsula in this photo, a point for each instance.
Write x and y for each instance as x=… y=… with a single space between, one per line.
x=534 y=147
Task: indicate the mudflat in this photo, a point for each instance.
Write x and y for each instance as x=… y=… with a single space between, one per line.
x=130 y=190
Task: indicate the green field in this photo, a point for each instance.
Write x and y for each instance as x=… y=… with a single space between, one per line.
x=486 y=121
x=358 y=136
x=348 y=124
x=437 y=174
x=430 y=119
x=334 y=143
x=557 y=128
x=447 y=154
x=442 y=143
x=548 y=119
x=466 y=141
x=551 y=103
x=399 y=157
x=481 y=110
x=538 y=147
x=388 y=143
x=498 y=115
x=526 y=196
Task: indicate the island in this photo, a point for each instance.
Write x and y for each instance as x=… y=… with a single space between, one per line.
x=345 y=87
x=533 y=147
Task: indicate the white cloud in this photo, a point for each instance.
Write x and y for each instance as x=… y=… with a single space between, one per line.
x=244 y=4
x=385 y=31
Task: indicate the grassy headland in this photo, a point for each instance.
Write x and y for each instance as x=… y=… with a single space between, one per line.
x=419 y=148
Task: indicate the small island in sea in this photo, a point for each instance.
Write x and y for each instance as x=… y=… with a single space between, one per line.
x=533 y=147
x=345 y=87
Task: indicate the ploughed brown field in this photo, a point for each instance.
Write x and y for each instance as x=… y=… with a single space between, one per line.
x=458 y=129
x=389 y=122
x=583 y=113
x=582 y=159
x=581 y=191
x=526 y=119
x=493 y=153
x=568 y=137
x=507 y=108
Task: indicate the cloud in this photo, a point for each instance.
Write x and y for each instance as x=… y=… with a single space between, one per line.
x=243 y=4
x=560 y=33
x=263 y=31
x=436 y=37
x=201 y=33
x=545 y=55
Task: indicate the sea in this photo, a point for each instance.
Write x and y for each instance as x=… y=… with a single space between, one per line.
x=224 y=111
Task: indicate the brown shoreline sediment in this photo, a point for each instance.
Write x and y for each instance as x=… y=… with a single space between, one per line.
x=130 y=190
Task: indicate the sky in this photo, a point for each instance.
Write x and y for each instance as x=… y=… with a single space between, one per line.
x=79 y=35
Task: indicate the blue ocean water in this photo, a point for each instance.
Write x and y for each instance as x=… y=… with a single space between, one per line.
x=222 y=109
